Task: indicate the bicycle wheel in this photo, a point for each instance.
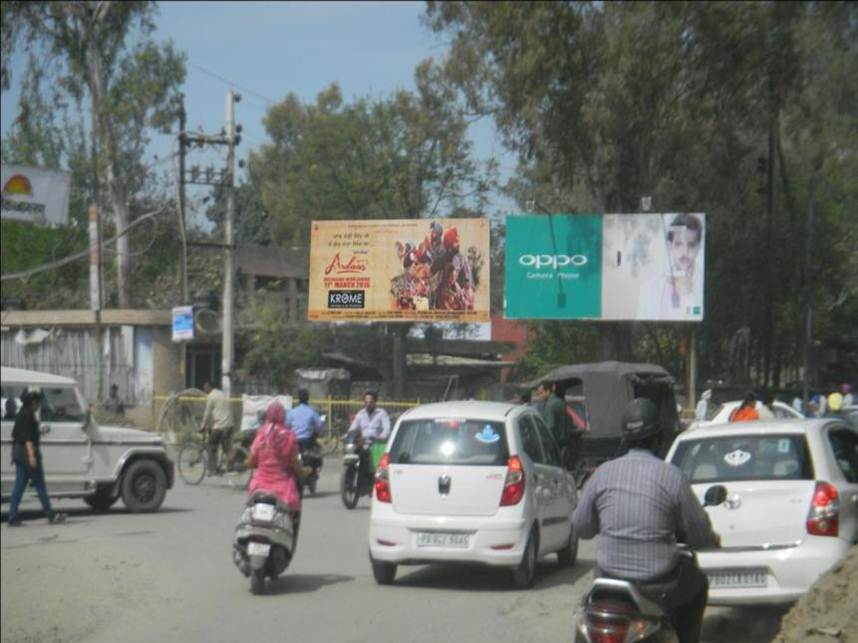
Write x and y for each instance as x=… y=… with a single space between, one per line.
x=193 y=462
x=238 y=475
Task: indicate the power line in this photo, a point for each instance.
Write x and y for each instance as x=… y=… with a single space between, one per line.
x=231 y=83
x=26 y=274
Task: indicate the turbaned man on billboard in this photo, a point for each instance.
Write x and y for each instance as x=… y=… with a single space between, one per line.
x=399 y=270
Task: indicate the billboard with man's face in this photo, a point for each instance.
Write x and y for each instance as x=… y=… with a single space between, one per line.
x=399 y=270
x=605 y=267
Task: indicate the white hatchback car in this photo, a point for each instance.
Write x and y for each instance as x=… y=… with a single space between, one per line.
x=792 y=504
x=471 y=482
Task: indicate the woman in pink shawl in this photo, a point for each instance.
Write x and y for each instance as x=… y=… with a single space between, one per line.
x=274 y=453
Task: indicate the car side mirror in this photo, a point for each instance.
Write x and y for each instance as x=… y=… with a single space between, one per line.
x=715 y=495
x=87 y=418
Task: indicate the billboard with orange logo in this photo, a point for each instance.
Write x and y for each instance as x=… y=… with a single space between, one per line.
x=399 y=270
x=35 y=195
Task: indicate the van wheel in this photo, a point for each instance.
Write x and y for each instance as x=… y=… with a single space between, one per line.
x=102 y=499
x=524 y=573
x=384 y=573
x=144 y=486
x=569 y=554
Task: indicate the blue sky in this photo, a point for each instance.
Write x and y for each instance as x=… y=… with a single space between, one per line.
x=267 y=49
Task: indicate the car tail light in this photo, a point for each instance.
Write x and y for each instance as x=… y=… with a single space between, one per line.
x=382 y=481
x=513 y=486
x=824 y=515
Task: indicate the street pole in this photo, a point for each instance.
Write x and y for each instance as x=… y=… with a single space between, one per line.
x=183 y=145
x=808 y=299
x=229 y=268
x=95 y=290
x=692 y=370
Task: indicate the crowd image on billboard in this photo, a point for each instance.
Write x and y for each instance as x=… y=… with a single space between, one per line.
x=436 y=275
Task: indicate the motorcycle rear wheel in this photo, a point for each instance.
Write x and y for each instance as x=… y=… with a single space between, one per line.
x=349 y=487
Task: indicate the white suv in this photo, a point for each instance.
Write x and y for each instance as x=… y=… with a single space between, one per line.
x=81 y=459
x=475 y=482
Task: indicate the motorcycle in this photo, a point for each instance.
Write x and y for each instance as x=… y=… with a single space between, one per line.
x=357 y=477
x=311 y=457
x=264 y=540
x=623 y=611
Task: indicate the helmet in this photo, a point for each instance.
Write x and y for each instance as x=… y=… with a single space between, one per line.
x=835 y=402
x=640 y=419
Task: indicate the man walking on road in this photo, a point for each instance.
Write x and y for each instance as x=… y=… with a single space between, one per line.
x=27 y=458
x=553 y=412
x=218 y=418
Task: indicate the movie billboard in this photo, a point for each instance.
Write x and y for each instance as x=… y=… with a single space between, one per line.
x=399 y=270
x=619 y=267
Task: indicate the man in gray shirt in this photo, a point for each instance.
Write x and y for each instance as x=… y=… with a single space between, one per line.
x=641 y=507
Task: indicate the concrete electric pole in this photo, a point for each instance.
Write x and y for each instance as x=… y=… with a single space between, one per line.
x=229 y=268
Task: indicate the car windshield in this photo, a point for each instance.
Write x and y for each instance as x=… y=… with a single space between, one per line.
x=744 y=457
x=450 y=441
x=60 y=405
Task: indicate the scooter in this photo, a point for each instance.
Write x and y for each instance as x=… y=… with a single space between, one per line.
x=356 y=480
x=264 y=540
x=627 y=612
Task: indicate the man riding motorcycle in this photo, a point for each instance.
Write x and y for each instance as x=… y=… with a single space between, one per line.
x=642 y=507
x=373 y=424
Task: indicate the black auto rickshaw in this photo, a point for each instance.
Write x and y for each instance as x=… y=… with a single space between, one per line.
x=596 y=395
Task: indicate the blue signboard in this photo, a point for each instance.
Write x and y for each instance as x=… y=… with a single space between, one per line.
x=183 y=323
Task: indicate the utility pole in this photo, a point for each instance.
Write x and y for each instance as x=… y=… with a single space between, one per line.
x=229 y=269
x=808 y=296
x=183 y=147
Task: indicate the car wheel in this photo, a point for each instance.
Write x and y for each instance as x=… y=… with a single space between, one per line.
x=384 y=573
x=569 y=554
x=102 y=499
x=524 y=573
x=144 y=486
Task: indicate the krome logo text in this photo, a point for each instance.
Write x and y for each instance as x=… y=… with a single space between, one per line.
x=346 y=298
x=552 y=261
x=354 y=264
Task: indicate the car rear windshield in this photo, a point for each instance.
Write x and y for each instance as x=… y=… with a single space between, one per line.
x=745 y=457
x=450 y=441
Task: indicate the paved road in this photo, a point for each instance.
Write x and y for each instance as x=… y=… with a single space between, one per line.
x=169 y=577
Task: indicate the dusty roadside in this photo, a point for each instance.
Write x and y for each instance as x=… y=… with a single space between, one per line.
x=828 y=613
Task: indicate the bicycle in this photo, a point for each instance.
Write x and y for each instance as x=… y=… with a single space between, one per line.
x=193 y=461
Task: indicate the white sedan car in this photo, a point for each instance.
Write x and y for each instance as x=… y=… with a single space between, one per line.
x=471 y=482
x=792 y=506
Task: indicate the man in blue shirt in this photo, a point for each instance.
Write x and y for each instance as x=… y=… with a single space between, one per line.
x=305 y=421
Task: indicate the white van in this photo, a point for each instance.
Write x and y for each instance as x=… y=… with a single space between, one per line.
x=81 y=459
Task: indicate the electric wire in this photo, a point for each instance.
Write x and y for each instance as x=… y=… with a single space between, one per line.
x=26 y=274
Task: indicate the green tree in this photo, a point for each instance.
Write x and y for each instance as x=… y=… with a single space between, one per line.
x=607 y=102
x=102 y=51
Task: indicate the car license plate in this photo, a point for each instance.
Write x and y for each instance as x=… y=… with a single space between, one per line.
x=737 y=578
x=263 y=512
x=442 y=539
x=258 y=549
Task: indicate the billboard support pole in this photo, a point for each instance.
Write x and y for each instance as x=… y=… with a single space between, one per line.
x=692 y=370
